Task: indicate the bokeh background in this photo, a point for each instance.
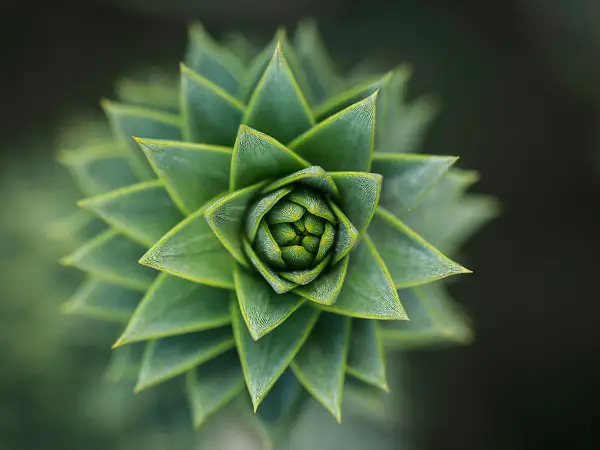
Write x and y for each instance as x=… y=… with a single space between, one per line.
x=519 y=84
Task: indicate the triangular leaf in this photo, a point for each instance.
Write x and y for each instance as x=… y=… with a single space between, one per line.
x=210 y=114
x=259 y=208
x=277 y=106
x=313 y=176
x=258 y=157
x=113 y=258
x=265 y=360
x=366 y=359
x=104 y=301
x=279 y=285
x=226 y=218
x=368 y=291
x=213 y=385
x=359 y=196
x=166 y=358
x=192 y=173
x=343 y=141
x=407 y=178
x=192 y=251
x=346 y=237
x=175 y=306
x=262 y=308
x=327 y=287
x=410 y=259
x=143 y=212
x=129 y=121
x=258 y=65
x=320 y=364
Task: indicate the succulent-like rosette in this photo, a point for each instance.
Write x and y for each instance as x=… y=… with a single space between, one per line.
x=268 y=206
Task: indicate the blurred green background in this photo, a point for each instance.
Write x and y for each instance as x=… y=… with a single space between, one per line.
x=519 y=83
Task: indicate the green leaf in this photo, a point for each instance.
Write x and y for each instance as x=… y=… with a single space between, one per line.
x=143 y=212
x=407 y=178
x=297 y=257
x=343 y=141
x=320 y=364
x=192 y=251
x=212 y=60
x=368 y=291
x=124 y=363
x=113 y=258
x=326 y=288
x=226 y=218
x=242 y=47
x=129 y=121
x=262 y=308
x=410 y=259
x=267 y=248
x=258 y=157
x=259 y=208
x=158 y=93
x=277 y=106
x=283 y=233
x=359 y=196
x=277 y=283
x=313 y=202
x=166 y=358
x=285 y=212
x=435 y=319
x=327 y=240
x=173 y=306
x=210 y=114
x=258 y=66
x=315 y=60
x=366 y=359
x=306 y=276
x=346 y=237
x=100 y=300
x=213 y=385
x=98 y=169
x=313 y=176
x=192 y=173
x=265 y=360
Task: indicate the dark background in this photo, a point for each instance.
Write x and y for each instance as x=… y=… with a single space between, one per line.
x=519 y=81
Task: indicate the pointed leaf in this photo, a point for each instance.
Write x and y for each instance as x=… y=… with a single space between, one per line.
x=313 y=176
x=98 y=169
x=113 y=258
x=313 y=202
x=346 y=236
x=267 y=248
x=326 y=242
x=258 y=66
x=285 y=212
x=166 y=358
x=277 y=106
x=212 y=60
x=143 y=212
x=410 y=259
x=306 y=276
x=257 y=157
x=265 y=360
x=159 y=92
x=262 y=308
x=192 y=173
x=278 y=284
x=368 y=291
x=124 y=363
x=326 y=288
x=407 y=178
x=175 y=306
x=320 y=364
x=210 y=114
x=192 y=251
x=129 y=121
x=213 y=385
x=100 y=300
x=343 y=141
x=259 y=208
x=226 y=218
x=359 y=196
x=366 y=359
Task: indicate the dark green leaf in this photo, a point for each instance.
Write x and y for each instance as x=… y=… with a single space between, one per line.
x=346 y=236
x=410 y=259
x=313 y=176
x=143 y=212
x=166 y=358
x=262 y=308
x=313 y=202
x=124 y=363
x=258 y=157
x=368 y=291
x=213 y=385
x=297 y=257
x=258 y=65
x=277 y=283
x=285 y=212
x=192 y=251
x=306 y=276
x=192 y=173
x=359 y=196
x=326 y=288
x=320 y=364
x=175 y=306
x=277 y=106
x=267 y=248
x=133 y=121
x=259 y=208
x=366 y=359
x=283 y=233
x=113 y=258
x=326 y=242
x=265 y=360
x=210 y=114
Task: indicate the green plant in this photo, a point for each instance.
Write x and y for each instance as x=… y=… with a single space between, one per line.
x=279 y=205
